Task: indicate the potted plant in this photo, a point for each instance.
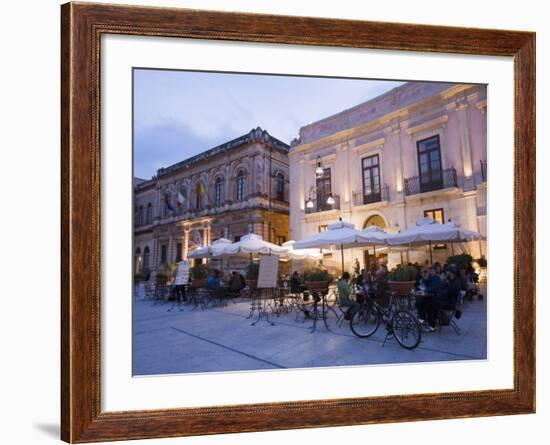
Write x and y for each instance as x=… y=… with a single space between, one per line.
x=161 y=278
x=199 y=275
x=482 y=262
x=402 y=279
x=461 y=261
x=317 y=279
x=252 y=272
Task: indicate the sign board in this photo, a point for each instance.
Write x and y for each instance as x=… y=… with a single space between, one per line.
x=182 y=276
x=269 y=269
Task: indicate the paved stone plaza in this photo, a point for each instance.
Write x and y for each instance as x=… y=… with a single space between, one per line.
x=222 y=339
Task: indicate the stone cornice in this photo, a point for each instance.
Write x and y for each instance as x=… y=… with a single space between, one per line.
x=377 y=143
x=438 y=122
x=381 y=122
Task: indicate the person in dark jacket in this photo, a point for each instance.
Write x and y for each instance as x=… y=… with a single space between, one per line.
x=432 y=284
x=447 y=297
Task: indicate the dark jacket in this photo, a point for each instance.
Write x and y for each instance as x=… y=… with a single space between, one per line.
x=449 y=293
x=433 y=284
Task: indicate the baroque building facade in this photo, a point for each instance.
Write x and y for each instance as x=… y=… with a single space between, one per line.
x=417 y=150
x=231 y=190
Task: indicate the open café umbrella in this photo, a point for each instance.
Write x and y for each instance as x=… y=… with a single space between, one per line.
x=376 y=236
x=253 y=243
x=428 y=230
x=215 y=249
x=340 y=234
x=300 y=254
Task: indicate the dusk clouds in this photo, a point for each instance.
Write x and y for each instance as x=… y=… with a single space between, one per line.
x=178 y=114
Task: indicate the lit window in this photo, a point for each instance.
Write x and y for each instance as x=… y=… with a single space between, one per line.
x=218 y=192
x=240 y=186
x=280 y=195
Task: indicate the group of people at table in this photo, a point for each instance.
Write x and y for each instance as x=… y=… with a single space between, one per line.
x=436 y=288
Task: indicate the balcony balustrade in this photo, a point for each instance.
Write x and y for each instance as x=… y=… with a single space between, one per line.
x=360 y=198
x=447 y=179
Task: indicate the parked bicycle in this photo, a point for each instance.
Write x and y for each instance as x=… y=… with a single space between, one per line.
x=399 y=323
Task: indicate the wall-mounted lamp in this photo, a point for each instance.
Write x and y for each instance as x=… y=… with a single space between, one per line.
x=319 y=169
x=309 y=203
x=330 y=199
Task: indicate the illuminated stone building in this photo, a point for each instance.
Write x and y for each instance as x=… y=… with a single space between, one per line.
x=417 y=150
x=233 y=189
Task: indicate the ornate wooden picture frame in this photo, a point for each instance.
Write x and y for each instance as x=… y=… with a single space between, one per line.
x=82 y=26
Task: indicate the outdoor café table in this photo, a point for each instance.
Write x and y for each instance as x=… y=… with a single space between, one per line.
x=260 y=300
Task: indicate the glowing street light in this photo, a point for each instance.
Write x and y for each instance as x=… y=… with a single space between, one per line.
x=319 y=169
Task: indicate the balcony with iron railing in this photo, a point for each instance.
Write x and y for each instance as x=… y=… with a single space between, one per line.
x=447 y=179
x=312 y=206
x=362 y=198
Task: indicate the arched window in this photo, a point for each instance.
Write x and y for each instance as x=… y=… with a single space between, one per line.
x=149 y=214
x=375 y=220
x=240 y=186
x=218 y=192
x=145 y=265
x=280 y=191
x=198 y=195
x=140 y=215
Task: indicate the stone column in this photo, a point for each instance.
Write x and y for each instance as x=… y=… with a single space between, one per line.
x=185 y=243
x=204 y=236
x=461 y=109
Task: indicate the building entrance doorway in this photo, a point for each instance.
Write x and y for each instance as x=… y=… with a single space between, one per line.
x=369 y=256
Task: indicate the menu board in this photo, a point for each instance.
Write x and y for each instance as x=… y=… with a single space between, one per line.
x=269 y=269
x=182 y=276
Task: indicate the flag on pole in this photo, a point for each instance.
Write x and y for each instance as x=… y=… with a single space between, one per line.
x=167 y=203
x=182 y=196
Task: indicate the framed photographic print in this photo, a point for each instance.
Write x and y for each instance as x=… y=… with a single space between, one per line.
x=276 y=222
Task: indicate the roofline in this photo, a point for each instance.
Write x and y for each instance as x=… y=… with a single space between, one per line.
x=255 y=135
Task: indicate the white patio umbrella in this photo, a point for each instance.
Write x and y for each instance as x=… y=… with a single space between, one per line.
x=301 y=254
x=253 y=243
x=427 y=230
x=376 y=236
x=341 y=234
x=215 y=249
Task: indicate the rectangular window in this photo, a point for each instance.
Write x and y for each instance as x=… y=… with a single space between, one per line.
x=324 y=190
x=429 y=164
x=439 y=216
x=323 y=228
x=371 y=179
x=163 y=253
x=178 y=252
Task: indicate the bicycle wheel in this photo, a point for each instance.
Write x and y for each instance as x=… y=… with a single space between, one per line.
x=365 y=322
x=406 y=329
x=330 y=318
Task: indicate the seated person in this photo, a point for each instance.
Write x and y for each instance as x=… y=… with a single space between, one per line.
x=447 y=296
x=432 y=281
x=344 y=294
x=236 y=283
x=432 y=284
x=381 y=286
x=213 y=281
x=296 y=284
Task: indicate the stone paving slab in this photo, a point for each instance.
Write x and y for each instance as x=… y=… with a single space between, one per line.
x=222 y=339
